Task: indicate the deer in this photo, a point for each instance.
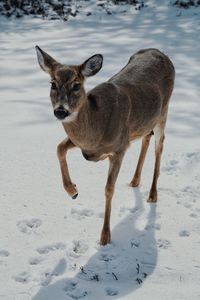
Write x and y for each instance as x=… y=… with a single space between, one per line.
x=103 y=122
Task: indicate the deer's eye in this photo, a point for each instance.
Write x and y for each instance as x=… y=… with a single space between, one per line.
x=76 y=87
x=53 y=85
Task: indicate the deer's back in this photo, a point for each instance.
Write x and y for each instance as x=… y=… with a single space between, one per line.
x=147 y=81
x=146 y=66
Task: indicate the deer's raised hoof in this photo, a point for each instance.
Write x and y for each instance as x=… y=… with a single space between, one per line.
x=105 y=237
x=75 y=196
x=71 y=189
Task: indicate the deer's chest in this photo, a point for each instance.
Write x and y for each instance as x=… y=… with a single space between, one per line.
x=83 y=138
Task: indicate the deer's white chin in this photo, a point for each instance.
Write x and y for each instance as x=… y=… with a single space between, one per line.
x=72 y=117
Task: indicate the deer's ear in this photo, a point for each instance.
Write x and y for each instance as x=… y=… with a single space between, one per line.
x=92 y=65
x=46 y=62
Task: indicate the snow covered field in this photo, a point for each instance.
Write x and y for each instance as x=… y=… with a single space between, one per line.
x=49 y=243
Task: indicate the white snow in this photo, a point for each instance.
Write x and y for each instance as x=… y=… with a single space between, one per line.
x=49 y=246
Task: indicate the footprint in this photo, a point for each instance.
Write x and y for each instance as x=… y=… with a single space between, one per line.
x=4 y=253
x=29 y=226
x=164 y=244
x=72 y=290
x=171 y=166
x=47 y=275
x=193 y=215
x=79 y=248
x=184 y=233
x=193 y=156
x=106 y=257
x=111 y=291
x=156 y=226
x=135 y=243
x=50 y=248
x=36 y=260
x=46 y=278
x=23 y=277
x=81 y=213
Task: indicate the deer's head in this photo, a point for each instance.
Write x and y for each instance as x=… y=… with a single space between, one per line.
x=67 y=83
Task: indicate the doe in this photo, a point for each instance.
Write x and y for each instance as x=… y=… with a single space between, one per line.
x=132 y=104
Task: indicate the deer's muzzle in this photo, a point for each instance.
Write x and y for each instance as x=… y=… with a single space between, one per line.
x=61 y=113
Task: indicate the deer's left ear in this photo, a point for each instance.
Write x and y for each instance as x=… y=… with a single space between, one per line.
x=92 y=65
x=46 y=62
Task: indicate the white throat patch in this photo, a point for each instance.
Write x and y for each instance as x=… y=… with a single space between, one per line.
x=72 y=117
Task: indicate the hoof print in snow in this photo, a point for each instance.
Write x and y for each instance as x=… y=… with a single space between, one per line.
x=184 y=233
x=4 y=253
x=171 y=166
x=35 y=260
x=46 y=278
x=79 y=248
x=72 y=290
x=164 y=244
x=193 y=215
x=50 y=248
x=29 y=226
x=153 y=226
x=81 y=213
x=135 y=243
x=22 y=277
x=111 y=292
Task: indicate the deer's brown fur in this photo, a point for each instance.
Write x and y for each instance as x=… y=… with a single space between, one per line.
x=132 y=104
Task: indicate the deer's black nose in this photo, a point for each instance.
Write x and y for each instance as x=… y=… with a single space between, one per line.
x=60 y=113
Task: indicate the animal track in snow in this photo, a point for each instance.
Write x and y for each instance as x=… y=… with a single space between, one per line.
x=45 y=277
x=111 y=291
x=36 y=260
x=81 y=213
x=156 y=226
x=164 y=244
x=184 y=233
x=79 y=248
x=72 y=290
x=175 y=162
x=192 y=157
x=193 y=215
x=23 y=277
x=171 y=166
x=50 y=248
x=4 y=253
x=29 y=226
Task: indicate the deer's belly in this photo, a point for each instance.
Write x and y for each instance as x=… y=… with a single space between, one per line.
x=96 y=156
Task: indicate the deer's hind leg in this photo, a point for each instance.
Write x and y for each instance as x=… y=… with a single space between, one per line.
x=62 y=149
x=145 y=145
x=159 y=140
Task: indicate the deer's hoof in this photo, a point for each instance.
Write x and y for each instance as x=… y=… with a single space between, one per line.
x=152 y=197
x=75 y=196
x=135 y=182
x=71 y=189
x=105 y=238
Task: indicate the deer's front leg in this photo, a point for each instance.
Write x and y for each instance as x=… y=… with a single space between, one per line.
x=62 y=149
x=115 y=164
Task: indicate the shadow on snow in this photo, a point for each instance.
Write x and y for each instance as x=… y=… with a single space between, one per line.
x=115 y=270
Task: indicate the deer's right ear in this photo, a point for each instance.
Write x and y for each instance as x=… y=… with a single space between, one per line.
x=45 y=61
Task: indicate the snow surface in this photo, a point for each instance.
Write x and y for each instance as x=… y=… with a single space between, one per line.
x=49 y=243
